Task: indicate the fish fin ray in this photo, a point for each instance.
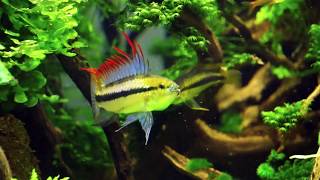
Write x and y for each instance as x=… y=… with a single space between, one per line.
x=146 y=122
x=130 y=119
x=122 y=65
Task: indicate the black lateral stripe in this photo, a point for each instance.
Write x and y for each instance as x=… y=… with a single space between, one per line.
x=113 y=96
x=203 y=82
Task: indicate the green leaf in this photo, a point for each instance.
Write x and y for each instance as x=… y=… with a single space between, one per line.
x=11 y=33
x=5 y=75
x=282 y=72
x=196 y=164
x=20 y=96
x=2 y=47
x=33 y=80
x=29 y=64
x=32 y=101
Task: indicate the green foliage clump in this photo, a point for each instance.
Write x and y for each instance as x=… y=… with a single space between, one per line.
x=314 y=45
x=149 y=14
x=173 y=50
x=231 y=122
x=223 y=176
x=239 y=59
x=282 y=16
x=282 y=72
x=284 y=117
x=297 y=169
x=81 y=153
x=35 y=176
x=143 y=15
x=196 y=164
x=274 y=12
x=33 y=29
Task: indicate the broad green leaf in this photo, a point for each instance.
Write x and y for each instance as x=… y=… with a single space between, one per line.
x=2 y=47
x=33 y=80
x=20 y=96
x=32 y=101
x=11 y=33
x=5 y=75
x=29 y=64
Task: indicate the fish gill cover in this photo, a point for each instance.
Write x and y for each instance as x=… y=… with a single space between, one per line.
x=266 y=50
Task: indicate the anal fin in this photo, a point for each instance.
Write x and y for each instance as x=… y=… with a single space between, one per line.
x=195 y=106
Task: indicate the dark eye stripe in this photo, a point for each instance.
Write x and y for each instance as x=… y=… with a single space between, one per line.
x=125 y=93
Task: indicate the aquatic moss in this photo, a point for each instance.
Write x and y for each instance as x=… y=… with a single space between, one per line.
x=142 y=15
x=274 y=169
x=196 y=164
x=167 y=13
x=314 y=45
x=283 y=117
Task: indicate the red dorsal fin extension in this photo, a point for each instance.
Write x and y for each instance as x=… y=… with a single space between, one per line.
x=122 y=64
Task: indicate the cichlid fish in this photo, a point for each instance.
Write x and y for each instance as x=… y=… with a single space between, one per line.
x=194 y=83
x=123 y=85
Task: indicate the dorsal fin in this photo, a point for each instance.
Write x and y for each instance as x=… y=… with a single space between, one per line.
x=122 y=64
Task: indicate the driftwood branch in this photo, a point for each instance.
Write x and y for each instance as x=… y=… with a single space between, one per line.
x=180 y=162
x=252 y=90
x=252 y=140
x=254 y=46
x=117 y=145
x=315 y=175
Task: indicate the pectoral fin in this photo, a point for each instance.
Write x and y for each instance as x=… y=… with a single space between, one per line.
x=145 y=119
x=195 y=106
x=130 y=119
x=146 y=122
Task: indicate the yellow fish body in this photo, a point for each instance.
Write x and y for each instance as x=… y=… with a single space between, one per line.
x=123 y=85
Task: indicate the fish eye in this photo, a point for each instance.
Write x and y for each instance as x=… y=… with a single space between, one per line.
x=161 y=86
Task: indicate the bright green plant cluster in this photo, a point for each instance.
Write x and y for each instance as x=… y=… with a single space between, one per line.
x=314 y=45
x=196 y=164
x=35 y=176
x=284 y=117
x=282 y=72
x=274 y=12
x=271 y=170
x=281 y=15
x=33 y=30
x=144 y=15
x=150 y=14
x=239 y=59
